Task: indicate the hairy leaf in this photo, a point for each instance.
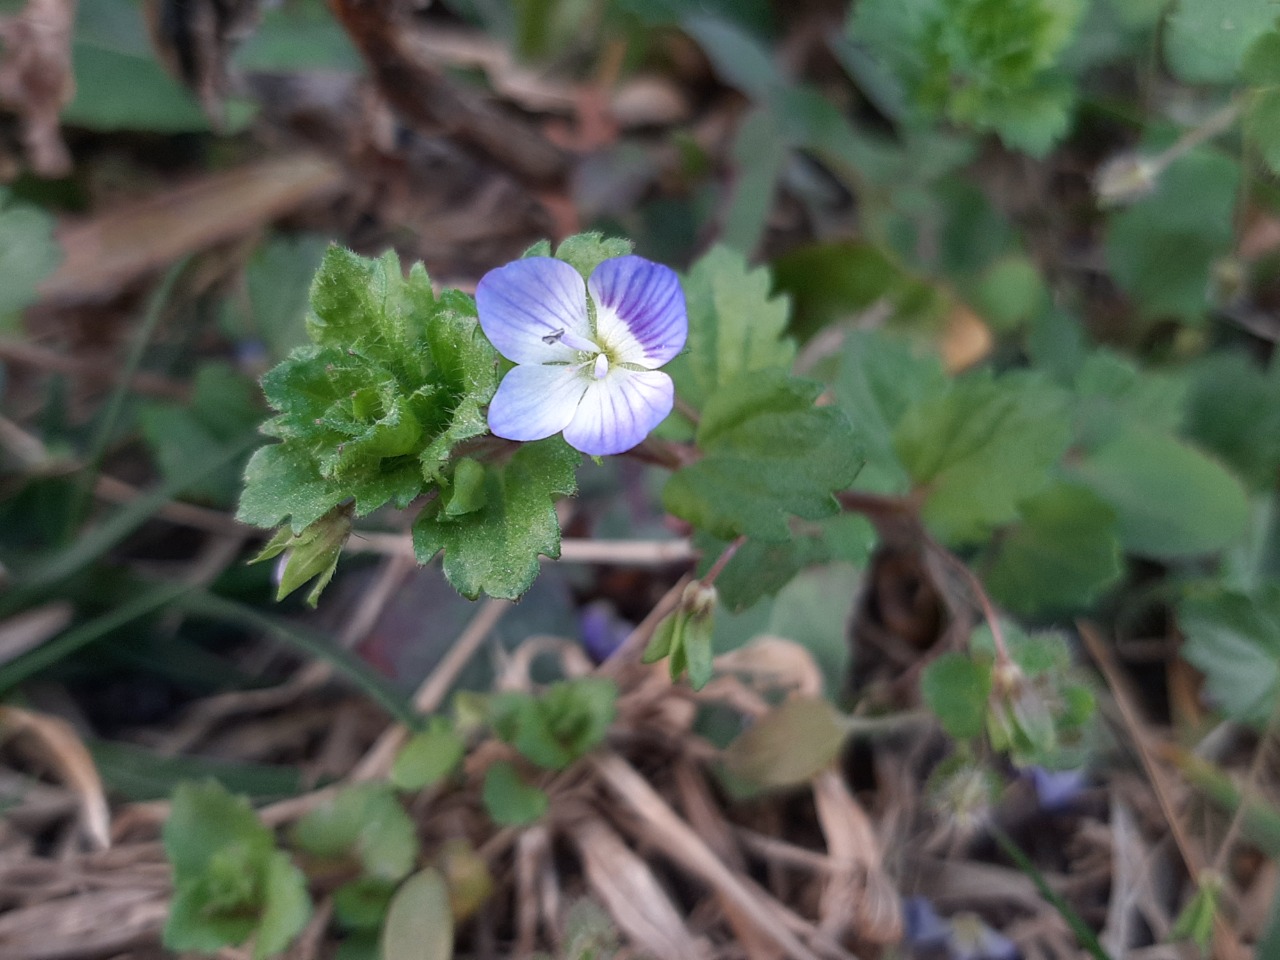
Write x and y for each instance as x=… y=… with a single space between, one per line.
x=494 y=549
x=735 y=326
x=982 y=448
x=769 y=453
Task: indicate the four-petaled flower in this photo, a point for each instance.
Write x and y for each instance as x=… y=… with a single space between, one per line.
x=584 y=367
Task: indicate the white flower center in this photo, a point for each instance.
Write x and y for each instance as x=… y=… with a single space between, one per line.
x=601 y=368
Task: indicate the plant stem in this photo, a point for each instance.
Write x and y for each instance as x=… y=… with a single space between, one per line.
x=722 y=561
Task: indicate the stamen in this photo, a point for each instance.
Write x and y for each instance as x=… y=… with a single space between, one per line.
x=601 y=367
x=551 y=338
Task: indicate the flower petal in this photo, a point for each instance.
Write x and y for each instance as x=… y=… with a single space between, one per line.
x=640 y=310
x=535 y=401
x=619 y=411
x=529 y=300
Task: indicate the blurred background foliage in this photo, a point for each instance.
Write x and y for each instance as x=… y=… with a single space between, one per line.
x=1030 y=249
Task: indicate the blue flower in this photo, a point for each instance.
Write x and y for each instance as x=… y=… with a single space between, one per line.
x=587 y=367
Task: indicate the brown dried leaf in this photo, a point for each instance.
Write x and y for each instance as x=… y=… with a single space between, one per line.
x=627 y=887
x=36 y=79
x=62 y=747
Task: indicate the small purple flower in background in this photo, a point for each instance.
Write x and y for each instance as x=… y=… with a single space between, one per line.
x=587 y=369
x=1058 y=790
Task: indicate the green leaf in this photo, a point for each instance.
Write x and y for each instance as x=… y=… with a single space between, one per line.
x=466 y=492
x=1205 y=40
x=1162 y=248
x=428 y=757
x=510 y=801
x=759 y=569
x=362 y=904
x=1233 y=412
x=830 y=282
x=1169 y=498
x=286 y=910
x=119 y=83
x=1060 y=554
x=1010 y=292
x=28 y=254
x=769 y=453
x=735 y=326
x=419 y=923
x=788 y=745
x=223 y=408
x=371 y=411
x=957 y=688
x=586 y=251
x=229 y=880
x=205 y=819
x=1197 y=919
x=364 y=821
x=495 y=548
x=989 y=64
x=1234 y=640
x=878 y=380
x=297 y=36
x=281 y=483
x=559 y=726
x=981 y=448
x=1262 y=125
x=1112 y=391
x=277 y=281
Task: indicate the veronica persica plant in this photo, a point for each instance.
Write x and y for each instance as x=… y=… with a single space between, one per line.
x=586 y=355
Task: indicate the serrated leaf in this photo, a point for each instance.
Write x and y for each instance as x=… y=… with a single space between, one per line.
x=586 y=251
x=1234 y=640
x=1060 y=554
x=1041 y=654
x=372 y=410
x=205 y=819
x=735 y=326
x=495 y=548
x=557 y=727
x=419 y=923
x=1205 y=40
x=1161 y=249
x=428 y=757
x=769 y=453
x=1112 y=391
x=981 y=448
x=366 y=822
x=957 y=689
x=878 y=380
x=284 y=483
x=229 y=880
x=510 y=801
x=788 y=745
x=988 y=64
x=1169 y=498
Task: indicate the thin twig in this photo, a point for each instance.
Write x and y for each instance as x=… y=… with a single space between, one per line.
x=1247 y=788
x=979 y=593
x=623 y=553
x=377 y=761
